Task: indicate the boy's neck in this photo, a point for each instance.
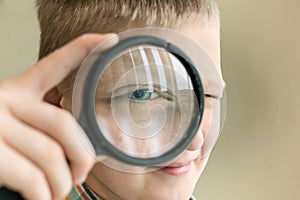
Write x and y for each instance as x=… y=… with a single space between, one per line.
x=99 y=188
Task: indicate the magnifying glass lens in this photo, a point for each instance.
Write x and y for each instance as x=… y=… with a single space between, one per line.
x=145 y=101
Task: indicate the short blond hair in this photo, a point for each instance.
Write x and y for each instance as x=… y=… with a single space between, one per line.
x=63 y=20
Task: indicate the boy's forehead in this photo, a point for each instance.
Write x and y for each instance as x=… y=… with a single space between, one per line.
x=207 y=35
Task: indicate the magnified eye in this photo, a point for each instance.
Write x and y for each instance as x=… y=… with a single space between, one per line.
x=143 y=94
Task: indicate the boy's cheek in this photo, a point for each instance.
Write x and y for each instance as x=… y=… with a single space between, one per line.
x=210 y=125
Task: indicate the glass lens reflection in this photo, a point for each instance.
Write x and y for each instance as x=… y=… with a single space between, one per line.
x=145 y=102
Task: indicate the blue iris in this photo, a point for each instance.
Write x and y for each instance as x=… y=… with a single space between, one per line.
x=140 y=95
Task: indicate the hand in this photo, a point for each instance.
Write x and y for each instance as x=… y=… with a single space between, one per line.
x=40 y=153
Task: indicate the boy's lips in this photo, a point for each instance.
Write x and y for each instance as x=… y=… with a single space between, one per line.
x=182 y=165
x=179 y=164
x=177 y=169
x=184 y=159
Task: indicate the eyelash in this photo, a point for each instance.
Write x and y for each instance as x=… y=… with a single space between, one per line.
x=210 y=96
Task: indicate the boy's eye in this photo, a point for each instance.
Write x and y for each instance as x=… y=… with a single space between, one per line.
x=143 y=94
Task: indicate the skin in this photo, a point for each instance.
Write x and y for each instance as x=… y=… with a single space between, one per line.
x=112 y=184
x=37 y=150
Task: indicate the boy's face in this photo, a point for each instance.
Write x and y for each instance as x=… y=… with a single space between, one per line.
x=173 y=183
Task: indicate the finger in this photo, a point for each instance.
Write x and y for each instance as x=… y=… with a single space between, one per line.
x=44 y=152
x=62 y=127
x=24 y=177
x=54 y=68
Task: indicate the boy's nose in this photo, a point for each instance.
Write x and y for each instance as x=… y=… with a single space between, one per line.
x=197 y=142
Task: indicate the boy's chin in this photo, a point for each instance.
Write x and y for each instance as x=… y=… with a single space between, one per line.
x=172 y=187
x=156 y=185
x=163 y=193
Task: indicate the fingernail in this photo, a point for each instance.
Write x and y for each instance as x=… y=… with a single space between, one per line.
x=112 y=38
x=81 y=180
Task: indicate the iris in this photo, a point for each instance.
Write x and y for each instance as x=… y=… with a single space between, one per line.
x=143 y=94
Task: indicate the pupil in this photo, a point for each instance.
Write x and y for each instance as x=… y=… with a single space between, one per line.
x=139 y=94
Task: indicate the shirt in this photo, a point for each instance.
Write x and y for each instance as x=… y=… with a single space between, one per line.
x=83 y=192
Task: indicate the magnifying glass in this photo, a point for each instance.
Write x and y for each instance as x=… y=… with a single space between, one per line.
x=141 y=102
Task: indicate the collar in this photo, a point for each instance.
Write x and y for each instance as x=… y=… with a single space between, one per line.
x=83 y=192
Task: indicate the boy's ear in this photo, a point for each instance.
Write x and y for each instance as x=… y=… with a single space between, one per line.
x=53 y=97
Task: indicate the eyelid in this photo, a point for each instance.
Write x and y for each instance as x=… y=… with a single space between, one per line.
x=124 y=90
x=214 y=90
x=156 y=89
x=128 y=88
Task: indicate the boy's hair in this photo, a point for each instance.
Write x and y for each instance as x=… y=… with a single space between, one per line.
x=63 y=20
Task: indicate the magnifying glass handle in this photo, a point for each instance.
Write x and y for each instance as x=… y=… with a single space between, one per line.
x=7 y=194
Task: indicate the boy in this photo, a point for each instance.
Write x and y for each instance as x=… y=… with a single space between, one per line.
x=61 y=21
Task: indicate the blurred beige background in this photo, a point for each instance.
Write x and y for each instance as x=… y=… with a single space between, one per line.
x=19 y=36
x=256 y=156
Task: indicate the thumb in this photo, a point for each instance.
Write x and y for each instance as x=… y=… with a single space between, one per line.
x=52 y=69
